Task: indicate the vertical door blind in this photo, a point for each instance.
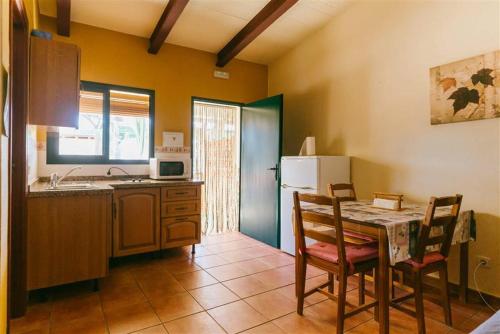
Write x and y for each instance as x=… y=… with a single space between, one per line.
x=216 y=160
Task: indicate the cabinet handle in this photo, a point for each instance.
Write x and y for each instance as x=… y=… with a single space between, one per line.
x=180 y=219
x=180 y=209
x=181 y=193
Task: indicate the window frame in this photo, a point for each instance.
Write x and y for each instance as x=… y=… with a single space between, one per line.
x=53 y=156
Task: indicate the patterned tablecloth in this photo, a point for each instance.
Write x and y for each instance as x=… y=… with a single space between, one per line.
x=402 y=226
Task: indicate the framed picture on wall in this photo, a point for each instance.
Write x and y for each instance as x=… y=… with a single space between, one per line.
x=466 y=90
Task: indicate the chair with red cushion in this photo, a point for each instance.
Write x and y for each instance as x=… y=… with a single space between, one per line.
x=330 y=253
x=436 y=261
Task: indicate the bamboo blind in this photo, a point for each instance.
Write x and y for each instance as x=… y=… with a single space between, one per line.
x=216 y=140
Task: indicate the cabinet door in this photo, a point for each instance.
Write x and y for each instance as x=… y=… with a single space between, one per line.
x=54 y=83
x=136 y=224
x=67 y=239
x=180 y=231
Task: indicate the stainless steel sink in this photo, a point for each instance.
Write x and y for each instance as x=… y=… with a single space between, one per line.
x=73 y=186
x=137 y=181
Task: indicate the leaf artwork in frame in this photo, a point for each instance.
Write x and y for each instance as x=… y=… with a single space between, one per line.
x=466 y=90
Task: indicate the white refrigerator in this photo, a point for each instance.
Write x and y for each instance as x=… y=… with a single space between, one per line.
x=306 y=174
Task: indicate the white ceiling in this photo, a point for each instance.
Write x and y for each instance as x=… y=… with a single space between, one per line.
x=206 y=24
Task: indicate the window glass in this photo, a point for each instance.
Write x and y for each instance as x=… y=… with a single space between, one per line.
x=129 y=126
x=87 y=139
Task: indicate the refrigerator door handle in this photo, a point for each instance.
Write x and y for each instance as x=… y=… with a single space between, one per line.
x=302 y=188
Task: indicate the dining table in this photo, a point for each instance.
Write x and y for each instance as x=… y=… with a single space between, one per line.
x=397 y=233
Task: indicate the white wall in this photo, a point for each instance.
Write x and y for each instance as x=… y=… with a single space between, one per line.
x=361 y=86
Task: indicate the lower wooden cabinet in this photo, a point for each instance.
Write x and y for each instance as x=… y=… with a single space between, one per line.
x=152 y=218
x=136 y=221
x=67 y=239
x=180 y=231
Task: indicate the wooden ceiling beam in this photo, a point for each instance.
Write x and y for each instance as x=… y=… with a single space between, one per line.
x=270 y=13
x=165 y=24
x=63 y=17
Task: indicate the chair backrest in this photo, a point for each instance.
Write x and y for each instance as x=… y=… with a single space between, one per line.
x=335 y=189
x=302 y=215
x=447 y=222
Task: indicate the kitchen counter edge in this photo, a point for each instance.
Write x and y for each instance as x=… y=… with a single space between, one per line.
x=39 y=189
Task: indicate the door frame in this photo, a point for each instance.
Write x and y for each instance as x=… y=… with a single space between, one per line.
x=216 y=101
x=19 y=73
x=280 y=154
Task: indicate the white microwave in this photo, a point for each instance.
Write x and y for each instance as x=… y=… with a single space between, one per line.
x=171 y=166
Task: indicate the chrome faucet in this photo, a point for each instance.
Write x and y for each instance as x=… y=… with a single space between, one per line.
x=54 y=180
x=108 y=173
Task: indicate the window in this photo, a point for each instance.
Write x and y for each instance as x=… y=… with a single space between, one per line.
x=115 y=126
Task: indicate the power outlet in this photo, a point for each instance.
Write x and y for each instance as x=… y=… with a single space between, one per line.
x=484 y=260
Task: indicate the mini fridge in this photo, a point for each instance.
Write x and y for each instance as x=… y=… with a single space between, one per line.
x=306 y=174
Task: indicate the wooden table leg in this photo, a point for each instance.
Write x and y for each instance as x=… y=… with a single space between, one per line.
x=464 y=272
x=383 y=281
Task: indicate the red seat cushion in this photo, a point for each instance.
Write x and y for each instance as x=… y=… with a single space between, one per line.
x=428 y=259
x=354 y=253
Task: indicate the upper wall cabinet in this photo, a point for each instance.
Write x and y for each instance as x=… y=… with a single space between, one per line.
x=54 y=83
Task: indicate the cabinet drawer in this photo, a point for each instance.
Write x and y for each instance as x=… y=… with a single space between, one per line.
x=169 y=194
x=180 y=231
x=182 y=208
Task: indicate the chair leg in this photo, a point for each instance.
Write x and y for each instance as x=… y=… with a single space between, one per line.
x=300 y=283
x=391 y=282
x=361 y=288
x=375 y=283
x=342 y=277
x=419 y=302
x=443 y=280
x=331 y=279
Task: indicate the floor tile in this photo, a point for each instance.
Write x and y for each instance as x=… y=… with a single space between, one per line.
x=272 y=304
x=141 y=292
x=278 y=260
x=236 y=317
x=296 y=324
x=227 y=272
x=210 y=261
x=131 y=318
x=37 y=318
x=195 y=279
x=253 y=266
x=67 y=309
x=83 y=325
x=247 y=286
x=181 y=267
x=277 y=277
x=267 y=328
x=121 y=296
x=176 y=306
x=200 y=323
x=152 y=330
x=155 y=288
x=213 y=295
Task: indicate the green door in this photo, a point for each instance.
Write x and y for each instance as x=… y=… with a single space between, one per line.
x=261 y=123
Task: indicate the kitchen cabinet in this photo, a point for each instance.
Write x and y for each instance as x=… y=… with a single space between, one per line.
x=136 y=220
x=68 y=239
x=180 y=211
x=54 y=83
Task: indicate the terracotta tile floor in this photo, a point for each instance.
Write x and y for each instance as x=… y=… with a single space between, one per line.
x=233 y=284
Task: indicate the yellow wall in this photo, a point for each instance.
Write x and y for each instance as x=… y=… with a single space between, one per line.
x=361 y=86
x=175 y=73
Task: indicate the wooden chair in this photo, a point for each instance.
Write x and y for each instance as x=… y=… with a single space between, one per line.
x=425 y=263
x=332 y=188
x=330 y=254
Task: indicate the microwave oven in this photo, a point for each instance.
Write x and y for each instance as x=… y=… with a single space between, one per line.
x=171 y=166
